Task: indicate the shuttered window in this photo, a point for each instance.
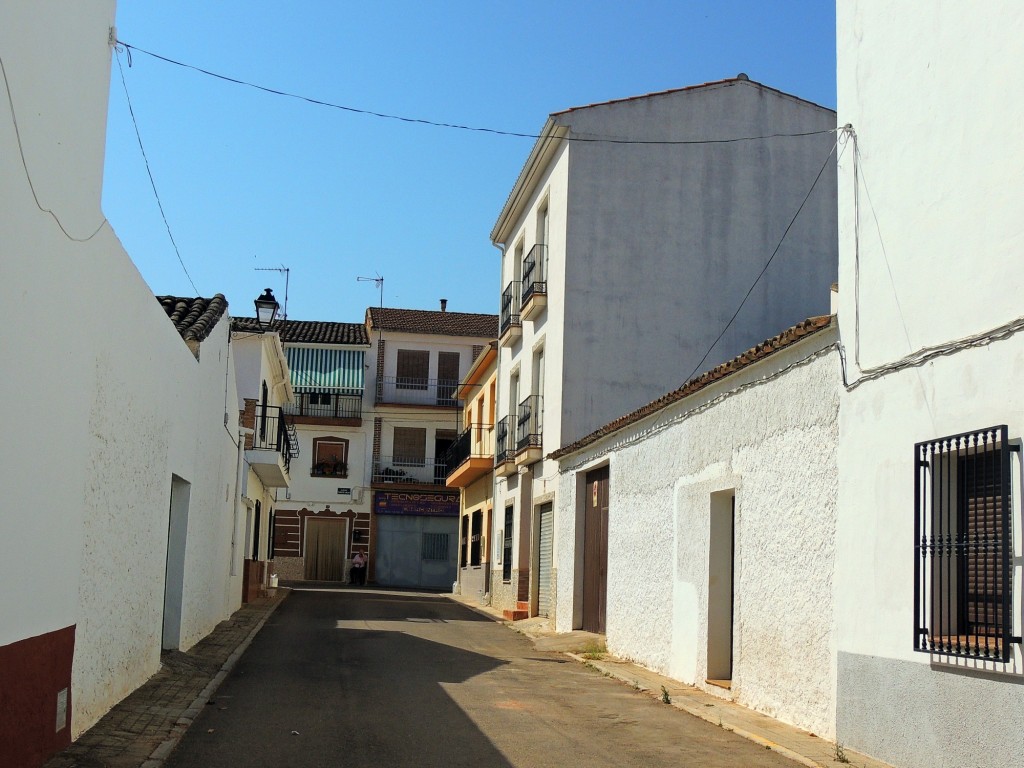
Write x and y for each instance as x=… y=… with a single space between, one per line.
x=506 y=563
x=447 y=376
x=410 y=446
x=413 y=370
x=963 y=542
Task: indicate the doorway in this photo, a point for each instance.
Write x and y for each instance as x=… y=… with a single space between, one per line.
x=545 y=558
x=174 y=569
x=325 y=550
x=721 y=588
x=595 y=551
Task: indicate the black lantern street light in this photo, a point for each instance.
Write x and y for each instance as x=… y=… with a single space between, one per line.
x=266 y=309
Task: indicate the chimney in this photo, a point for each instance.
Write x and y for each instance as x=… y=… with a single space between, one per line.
x=444 y=305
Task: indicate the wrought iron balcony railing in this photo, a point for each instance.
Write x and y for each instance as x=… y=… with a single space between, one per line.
x=405 y=469
x=504 y=451
x=529 y=426
x=510 y=306
x=475 y=442
x=326 y=405
x=407 y=390
x=535 y=279
x=272 y=432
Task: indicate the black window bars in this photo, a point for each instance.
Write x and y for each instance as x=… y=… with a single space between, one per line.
x=963 y=546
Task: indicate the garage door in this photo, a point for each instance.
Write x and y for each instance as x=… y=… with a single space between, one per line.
x=545 y=557
x=416 y=551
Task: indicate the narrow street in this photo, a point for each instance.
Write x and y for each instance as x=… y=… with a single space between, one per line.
x=346 y=678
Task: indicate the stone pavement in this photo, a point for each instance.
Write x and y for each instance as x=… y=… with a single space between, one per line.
x=142 y=729
x=796 y=744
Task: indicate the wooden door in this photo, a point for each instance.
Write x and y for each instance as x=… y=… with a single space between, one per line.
x=595 y=551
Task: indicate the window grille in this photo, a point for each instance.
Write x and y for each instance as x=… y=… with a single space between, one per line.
x=435 y=546
x=506 y=563
x=963 y=542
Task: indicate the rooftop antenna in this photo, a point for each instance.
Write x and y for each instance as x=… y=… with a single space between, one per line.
x=378 y=281
x=286 y=271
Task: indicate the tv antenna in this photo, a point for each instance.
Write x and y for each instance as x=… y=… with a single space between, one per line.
x=378 y=281
x=286 y=271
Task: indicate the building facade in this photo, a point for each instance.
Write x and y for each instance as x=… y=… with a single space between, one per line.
x=928 y=570
x=698 y=532
x=470 y=463
x=622 y=265
x=418 y=358
x=119 y=475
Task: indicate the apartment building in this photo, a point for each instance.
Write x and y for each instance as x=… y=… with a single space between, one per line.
x=630 y=241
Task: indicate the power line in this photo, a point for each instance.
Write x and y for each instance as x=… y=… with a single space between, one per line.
x=456 y=126
x=767 y=263
x=28 y=176
x=149 y=171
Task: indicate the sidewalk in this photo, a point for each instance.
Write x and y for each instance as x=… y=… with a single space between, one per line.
x=796 y=744
x=142 y=729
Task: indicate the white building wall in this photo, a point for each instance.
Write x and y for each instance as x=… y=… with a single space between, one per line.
x=771 y=437
x=935 y=259
x=101 y=388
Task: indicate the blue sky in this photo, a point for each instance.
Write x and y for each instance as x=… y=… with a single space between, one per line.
x=252 y=180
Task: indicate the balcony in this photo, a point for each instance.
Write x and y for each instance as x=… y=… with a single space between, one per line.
x=271 y=447
x=399 y=470
x=510 y=326
x=535 y=282
x=406 y=390
x=326 y=406
x=504 y=452
x=529 y=431
x=471 y=455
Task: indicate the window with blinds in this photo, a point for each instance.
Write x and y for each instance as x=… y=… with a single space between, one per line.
x=447 y=377
x=963 y=541
x=413 y=371
x=410 y=446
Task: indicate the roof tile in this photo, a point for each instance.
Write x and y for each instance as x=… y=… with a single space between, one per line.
x=309 y=331
x=434 y=322
x=194 y=318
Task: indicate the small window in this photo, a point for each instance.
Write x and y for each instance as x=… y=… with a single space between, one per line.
x=330 y=457
x=506 y=563
x=413 y=370
x=963 y=544
x=435 y=546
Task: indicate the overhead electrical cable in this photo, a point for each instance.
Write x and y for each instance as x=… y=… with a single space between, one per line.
x=152 y=183
x=456 y=126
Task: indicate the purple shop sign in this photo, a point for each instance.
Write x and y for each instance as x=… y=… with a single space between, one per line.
x=416 y=503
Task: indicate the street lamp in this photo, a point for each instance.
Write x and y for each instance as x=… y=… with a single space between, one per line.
x=266 y=309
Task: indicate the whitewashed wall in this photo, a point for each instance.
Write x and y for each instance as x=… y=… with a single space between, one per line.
x=933 y=95
x=101 y=392
x=772 y=441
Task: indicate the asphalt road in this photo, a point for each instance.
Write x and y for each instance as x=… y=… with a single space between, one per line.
x=382 y=679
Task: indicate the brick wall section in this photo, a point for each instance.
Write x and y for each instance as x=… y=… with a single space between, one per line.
x=380 y=370
x=247 y=416
x=378 y=429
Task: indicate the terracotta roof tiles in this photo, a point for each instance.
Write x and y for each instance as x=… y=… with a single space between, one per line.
x=756 y=353
x=194 y=318
x=309 y=331
x=433 y=322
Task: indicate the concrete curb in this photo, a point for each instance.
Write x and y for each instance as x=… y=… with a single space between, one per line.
x=163 y=751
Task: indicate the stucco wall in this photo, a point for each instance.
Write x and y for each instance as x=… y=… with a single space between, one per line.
x=106 y=400
x=774 y=444
x=929 y=256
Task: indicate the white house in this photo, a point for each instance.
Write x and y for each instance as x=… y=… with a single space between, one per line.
x=928 y=562
x=629 y=240
x=264 y=392
x=120 y=457
x=418 y=357
x=698 y=532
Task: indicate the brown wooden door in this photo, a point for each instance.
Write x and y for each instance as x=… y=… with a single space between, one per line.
x=595 y=551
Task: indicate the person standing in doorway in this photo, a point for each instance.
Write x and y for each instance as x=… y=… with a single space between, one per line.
x=358 y=569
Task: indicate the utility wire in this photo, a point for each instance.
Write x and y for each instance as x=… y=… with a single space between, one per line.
x=437 y=124
x=767 y=263
x=149 y=171
x=28 y=176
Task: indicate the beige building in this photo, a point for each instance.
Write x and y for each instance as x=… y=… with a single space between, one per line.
x=470 y=463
